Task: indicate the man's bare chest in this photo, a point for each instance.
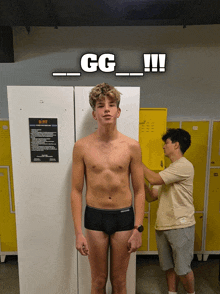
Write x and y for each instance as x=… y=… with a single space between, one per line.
x=112 y=158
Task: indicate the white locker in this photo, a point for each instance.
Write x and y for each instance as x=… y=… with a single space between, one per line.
x=45 y=233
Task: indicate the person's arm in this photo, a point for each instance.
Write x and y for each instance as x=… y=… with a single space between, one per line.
x=136 y=169
x=152 y=177
x=78 y=170
x=151 y=194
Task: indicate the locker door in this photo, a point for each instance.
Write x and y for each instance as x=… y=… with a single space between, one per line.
x=45 y=233
x=197 y=155
x=213 y=217
x=7 y=217
x=198 y=231
x=215 y=153
x=153 y=216
x=152 y=125
x=5 y=153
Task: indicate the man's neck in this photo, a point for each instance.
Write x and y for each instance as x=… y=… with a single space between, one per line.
x=107 y=134
x=175 y=156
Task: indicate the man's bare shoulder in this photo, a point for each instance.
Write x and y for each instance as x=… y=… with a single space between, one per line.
x=131 y=142
x=82 y=146
x=84 y=141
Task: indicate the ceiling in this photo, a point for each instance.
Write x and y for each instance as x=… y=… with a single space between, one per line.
x=108 y=12
x=55 y=13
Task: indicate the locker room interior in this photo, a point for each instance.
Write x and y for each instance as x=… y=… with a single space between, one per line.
x=189 y=91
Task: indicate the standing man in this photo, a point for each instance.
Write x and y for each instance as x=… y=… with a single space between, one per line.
x=107 y=158
x=175 y=224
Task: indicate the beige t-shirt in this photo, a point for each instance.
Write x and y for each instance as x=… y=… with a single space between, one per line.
x=176 y=209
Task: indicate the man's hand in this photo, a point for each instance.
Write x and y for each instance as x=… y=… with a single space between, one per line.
x=81 y=245
x=135 y=241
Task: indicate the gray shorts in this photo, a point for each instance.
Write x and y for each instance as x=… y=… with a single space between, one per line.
x=176 y=249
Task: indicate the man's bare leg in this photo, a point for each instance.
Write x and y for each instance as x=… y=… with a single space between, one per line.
x=172 y=280
x=119 y=261
x=188 y=282
x=98 y=243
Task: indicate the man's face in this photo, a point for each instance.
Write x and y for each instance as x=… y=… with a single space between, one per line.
x=106 y=110
x=169 y=147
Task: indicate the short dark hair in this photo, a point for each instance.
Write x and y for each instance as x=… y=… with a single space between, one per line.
x=178 y=135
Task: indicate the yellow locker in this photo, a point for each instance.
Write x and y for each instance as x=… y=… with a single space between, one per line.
x=213 y=217
x=144 y=246
x=7 y=205
x=152 y=235
x=152 y=125
x=7 y=219
x=5 y=153
x=215 y=153
x=198 y=231
x=197 y=155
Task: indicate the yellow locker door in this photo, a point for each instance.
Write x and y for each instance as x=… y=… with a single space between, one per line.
x=152 y=125
x=5 y=153
x=213 y=216
x=7 y=219
x=198 y=231
x=197 y=155
x=144 y=246
x=153 y=216
x=215 y=153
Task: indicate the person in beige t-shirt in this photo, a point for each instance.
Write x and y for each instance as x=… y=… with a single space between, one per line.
x=175 y=223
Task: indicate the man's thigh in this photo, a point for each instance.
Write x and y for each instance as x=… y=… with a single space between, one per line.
x=119 y=253
x=98 y=243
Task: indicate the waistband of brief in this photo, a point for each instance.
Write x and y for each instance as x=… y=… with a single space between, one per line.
x=125 y=209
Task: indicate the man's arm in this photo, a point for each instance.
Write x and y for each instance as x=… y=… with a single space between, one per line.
x=138 y=184
x=136 y=169
x=152 y=177
x=78 y=170
x=151 y=194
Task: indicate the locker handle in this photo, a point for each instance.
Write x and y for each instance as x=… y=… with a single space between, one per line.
x=161 y=163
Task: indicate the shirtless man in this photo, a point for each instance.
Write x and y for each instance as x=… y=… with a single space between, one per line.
x=107 y=158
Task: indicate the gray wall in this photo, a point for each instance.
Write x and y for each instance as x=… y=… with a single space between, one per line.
x=189 y=88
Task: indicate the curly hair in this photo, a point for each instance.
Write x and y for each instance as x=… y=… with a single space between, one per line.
x=102 y=90
x=178 y=135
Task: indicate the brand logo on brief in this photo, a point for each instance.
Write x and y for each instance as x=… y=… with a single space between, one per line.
x=125 y=210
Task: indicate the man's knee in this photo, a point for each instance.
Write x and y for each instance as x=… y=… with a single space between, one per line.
x=118 y=282
x=99 y=282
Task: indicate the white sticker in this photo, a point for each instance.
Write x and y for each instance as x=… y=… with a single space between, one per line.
x=5 y=127
x=195 y=128
x=183 y=220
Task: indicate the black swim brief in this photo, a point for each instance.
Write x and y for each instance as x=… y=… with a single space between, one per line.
x=109 y=220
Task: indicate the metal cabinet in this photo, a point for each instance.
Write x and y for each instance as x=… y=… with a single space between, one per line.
x=152 y=125
x=8 y=241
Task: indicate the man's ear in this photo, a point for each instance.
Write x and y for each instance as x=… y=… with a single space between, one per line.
x=94 y=115
x=177 y=145
x=119 y=112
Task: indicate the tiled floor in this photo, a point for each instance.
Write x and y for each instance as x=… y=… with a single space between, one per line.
x=150 y=278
